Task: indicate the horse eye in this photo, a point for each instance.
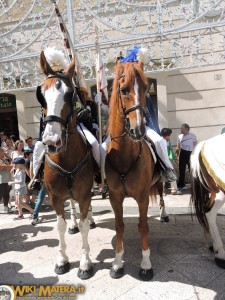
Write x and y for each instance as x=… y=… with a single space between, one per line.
x=124 y=90
x=58 y=84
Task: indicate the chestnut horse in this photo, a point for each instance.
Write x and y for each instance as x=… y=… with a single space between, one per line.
x=129 y=164
x=68 y=171
x=207 y=190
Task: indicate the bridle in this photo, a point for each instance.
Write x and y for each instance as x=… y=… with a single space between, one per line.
x=125 y=111
x=69 y=175
x=72 y=96
x=42 y=101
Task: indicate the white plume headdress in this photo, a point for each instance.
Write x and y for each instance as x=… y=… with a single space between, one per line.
x=55 y=58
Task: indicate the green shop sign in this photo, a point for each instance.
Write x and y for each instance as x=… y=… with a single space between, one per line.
x=7 y=101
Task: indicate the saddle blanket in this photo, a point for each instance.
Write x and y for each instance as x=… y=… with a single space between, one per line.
x=151 y=150
x=213 y=156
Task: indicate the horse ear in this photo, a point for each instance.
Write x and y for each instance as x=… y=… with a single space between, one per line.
x=70 y=68
x=45 y=67
x=118 y=61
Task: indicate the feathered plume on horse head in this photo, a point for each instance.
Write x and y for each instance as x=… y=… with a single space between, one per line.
x=55 y=58
x=136 y=54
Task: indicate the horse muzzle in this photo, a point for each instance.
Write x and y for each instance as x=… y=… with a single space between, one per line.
x=53 y=142
x=137 y=133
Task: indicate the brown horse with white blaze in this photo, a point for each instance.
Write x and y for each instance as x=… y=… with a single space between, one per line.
x=129 y=164
x=68 y=171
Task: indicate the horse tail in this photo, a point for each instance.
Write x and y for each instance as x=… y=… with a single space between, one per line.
x=199 y=188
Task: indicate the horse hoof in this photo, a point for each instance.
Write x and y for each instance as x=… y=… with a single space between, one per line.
x=165 y=219
x=62 y=269
x=220 y=262
x=73 y=230
x=115 y=274
x=211 y=249
x=85 y=274
x=92 y=225
x=146 y=275
x=104 y=195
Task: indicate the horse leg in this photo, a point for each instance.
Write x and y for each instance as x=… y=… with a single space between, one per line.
x=90 y=218
x=146 y=272
x=117 y=269
x=86 y=269
x=62 y=265
x=163 y=215
x=214 y=232
x=73 y=217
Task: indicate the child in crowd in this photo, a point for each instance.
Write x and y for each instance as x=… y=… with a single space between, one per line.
x=166 y=134
x=19 y=151
x=20 y=186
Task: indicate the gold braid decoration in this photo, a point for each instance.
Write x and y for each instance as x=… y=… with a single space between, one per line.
x=218 y=181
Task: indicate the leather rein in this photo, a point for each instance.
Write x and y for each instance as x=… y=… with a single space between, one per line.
x=125 y=117
x=70 y=175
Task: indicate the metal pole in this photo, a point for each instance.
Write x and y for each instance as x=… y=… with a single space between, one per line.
x=100 y=94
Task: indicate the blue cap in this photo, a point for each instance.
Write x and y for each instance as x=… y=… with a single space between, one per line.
x=18 y=160
x=28 y=149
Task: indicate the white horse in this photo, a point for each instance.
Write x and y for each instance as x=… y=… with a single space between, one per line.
x=207 y=189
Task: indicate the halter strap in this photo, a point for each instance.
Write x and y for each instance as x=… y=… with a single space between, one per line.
x=132 y=108
x=70 y=175
x=53 y=118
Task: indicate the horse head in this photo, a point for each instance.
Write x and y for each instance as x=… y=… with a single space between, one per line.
x=130 y=83
x=57 y=96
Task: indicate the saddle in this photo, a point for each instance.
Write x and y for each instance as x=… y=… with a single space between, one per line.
x=213 y=158
x=160 y=167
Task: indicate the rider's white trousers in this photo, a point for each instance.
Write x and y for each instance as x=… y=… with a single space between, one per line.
x=92 y=140
x=160 y=144
x=39 y=147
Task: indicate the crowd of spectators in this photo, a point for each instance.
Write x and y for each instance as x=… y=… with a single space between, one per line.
x=16 y=173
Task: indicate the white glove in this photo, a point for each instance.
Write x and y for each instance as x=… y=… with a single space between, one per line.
x=98 y=98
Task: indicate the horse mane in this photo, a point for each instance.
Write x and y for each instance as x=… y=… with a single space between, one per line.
x=48 y=83
x=130 y=69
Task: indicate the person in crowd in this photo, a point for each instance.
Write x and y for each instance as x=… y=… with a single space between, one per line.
x=5 y=177
x=166 y=134
x=13 y=139
x=20 y=186
x=31 y=194
x=185 y=145
x=35 y=219
x=19 y=149
x=8 y=149
x=3 y=138
x=29 y=142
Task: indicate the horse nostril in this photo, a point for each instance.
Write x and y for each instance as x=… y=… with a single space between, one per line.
x=58 y=143
x=132 y=131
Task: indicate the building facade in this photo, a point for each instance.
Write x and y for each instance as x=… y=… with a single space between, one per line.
x=185 y=42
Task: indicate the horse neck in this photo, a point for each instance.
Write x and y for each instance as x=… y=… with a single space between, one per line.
x=126 y=150
x=75 y=149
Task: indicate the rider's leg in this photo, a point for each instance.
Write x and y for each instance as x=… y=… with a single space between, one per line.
x=103 y=148
x=161 y=148
x=38 y=155
x=92 y=140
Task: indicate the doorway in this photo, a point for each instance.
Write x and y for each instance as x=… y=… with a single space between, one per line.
x=8 y=115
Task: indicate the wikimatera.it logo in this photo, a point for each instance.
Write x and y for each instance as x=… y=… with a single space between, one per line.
x=40 y=292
